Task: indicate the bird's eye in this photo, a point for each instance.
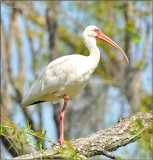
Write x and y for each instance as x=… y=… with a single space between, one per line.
x=96 y=30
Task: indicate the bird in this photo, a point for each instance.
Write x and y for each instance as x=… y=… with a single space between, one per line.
x=66 y=76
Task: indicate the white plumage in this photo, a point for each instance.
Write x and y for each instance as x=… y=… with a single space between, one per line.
x=66 y=76
x=62 y=76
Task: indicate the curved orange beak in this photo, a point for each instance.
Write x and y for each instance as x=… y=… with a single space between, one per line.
x=103 y=37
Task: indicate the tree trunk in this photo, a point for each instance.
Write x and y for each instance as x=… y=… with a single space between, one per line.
x=52 y=17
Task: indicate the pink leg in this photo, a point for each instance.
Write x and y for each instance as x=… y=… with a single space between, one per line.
x=66 y=97
x=62 y=115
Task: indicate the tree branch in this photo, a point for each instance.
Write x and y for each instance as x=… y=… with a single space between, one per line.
x=126 y=131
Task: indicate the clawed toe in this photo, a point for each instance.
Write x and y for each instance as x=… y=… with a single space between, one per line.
x=61 y=141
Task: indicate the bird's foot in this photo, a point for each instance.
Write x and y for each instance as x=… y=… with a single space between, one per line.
x=61 y=141
x=66 y=97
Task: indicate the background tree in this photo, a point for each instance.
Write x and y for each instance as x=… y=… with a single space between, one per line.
x=34 y=33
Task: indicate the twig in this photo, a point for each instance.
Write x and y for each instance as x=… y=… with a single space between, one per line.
x=16 y=139
x=107 y=154
x=19 y=130
x=3 y=116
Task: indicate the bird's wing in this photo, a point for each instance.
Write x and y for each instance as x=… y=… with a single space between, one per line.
x=50 y=80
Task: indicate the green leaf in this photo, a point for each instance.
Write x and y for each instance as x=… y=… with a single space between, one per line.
x=12 y=145
x=132 y=133
x=14 y=132
x=29 y=126
x=118 y=157
x=48 y=138
x=35 y=64
x=23 y=132
x=68 y=152
x=140 y=64
x=33 y=132
x=129 y=28
x=40 y=143
x=22 y=146
x=6 y=125
x=3 y=130
x=88 y=156
x=139 y=121
x=18 y=136
x=76 y=151
x=43 y=132
x=136 y=38
x=35 y=142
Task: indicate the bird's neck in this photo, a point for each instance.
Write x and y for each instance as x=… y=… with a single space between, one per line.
x=90 y=43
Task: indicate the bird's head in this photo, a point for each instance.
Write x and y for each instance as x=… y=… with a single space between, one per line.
x=95 y=32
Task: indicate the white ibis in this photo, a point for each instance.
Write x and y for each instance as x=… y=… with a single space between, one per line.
x=66 y=76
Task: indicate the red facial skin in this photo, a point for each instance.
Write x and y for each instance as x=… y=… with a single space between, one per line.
x=103 y=37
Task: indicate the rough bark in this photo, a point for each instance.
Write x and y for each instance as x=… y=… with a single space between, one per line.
x=126 y=131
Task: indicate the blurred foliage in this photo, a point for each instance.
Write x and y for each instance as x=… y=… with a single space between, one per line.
x=147 y=101
x=112 y=23
x=139 y=64
x=146 y=144
x=136 y=38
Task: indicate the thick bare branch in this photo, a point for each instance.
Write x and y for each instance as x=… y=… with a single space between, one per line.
x=37 y=128
x=51 y=17
x=130 y=78
x=6 y=48
x=20 y=51
x=128 y=13
x=126 y=131
x=4 y=57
